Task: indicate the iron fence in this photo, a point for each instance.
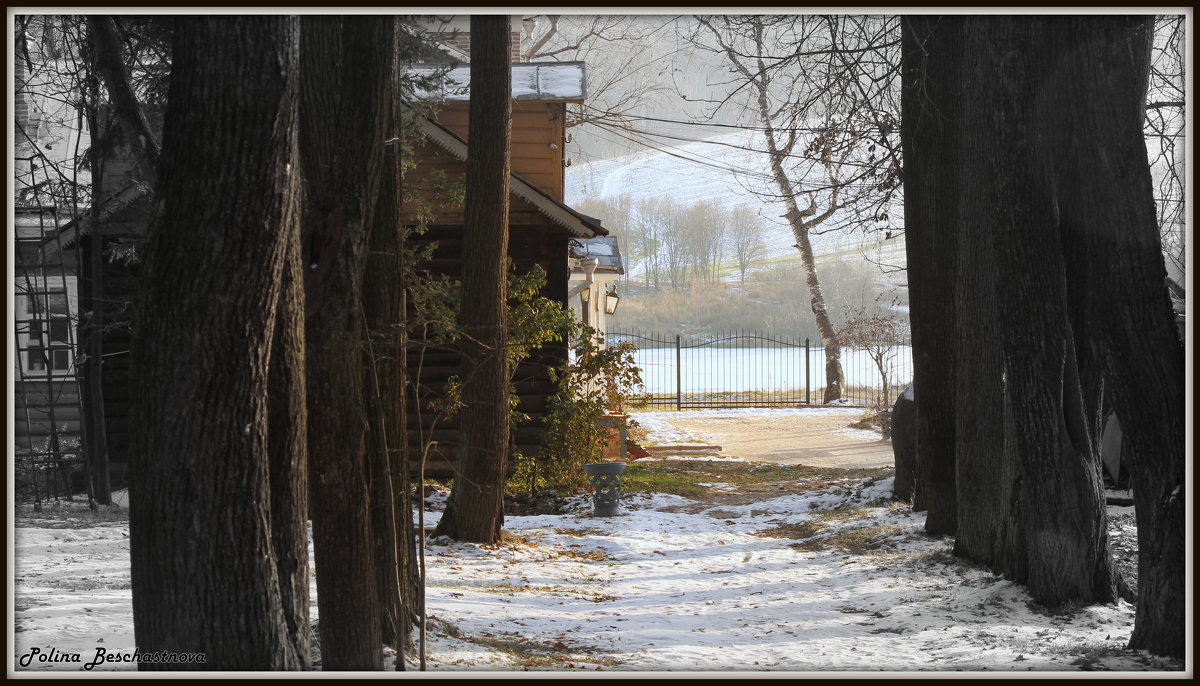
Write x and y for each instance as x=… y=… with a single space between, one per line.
x=756 y=369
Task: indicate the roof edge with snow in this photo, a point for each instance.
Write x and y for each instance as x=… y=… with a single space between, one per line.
x=578 y=224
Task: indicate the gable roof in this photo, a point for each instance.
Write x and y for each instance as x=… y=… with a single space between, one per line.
x=578 y=224
x=538 y=81
x=81 y=226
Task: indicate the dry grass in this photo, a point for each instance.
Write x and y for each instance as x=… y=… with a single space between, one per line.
x=529 y=653
x=829 y=531
x=752 y=479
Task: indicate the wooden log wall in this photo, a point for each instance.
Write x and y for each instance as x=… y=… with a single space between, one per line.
x=431 y=367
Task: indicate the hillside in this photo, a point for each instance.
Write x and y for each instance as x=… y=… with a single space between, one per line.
x=726 y=169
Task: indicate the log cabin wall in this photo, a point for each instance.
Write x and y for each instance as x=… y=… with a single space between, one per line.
x=538 y=138
x=529 y=244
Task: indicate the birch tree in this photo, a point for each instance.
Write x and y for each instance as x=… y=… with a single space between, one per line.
x=807 y=114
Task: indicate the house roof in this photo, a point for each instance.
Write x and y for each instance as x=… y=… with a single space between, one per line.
x=82 y=226
x=538 y=81
x=578 y=224
x=604 y=249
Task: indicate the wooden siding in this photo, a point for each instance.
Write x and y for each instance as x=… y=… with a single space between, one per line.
x=529 y=244
x=44 y=407
x=120 y=293
x=438 y=179
x=538 y=139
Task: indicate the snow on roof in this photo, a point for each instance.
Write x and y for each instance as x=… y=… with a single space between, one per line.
x=604 y=248
x=541 y=81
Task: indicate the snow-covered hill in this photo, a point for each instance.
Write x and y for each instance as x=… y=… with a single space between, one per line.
x=729 y=170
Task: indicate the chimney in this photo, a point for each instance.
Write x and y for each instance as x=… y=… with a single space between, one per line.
x=457 y=34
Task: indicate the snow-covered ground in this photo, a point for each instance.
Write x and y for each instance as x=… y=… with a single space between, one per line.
x=661 y=431
x=669 y=584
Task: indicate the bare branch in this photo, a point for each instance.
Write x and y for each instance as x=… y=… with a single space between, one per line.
x=109 y=63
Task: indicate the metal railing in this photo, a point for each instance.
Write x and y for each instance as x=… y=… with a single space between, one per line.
x=756 y=369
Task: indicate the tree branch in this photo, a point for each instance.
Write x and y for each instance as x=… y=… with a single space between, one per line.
x=106 y=43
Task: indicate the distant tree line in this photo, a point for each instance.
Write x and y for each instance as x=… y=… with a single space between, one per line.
x=668 y=244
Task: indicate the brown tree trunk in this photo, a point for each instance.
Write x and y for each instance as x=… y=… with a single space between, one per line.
x=383 y=307
x=1108 y=221
x=345 y=89
x=202 y=525
x=1061 y=495
x=287 y=442
x=930 y=125
x=475 y=509
x=986 y=464
x=1059 y=249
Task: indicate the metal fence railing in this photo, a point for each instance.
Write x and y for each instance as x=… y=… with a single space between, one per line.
x=755 y=369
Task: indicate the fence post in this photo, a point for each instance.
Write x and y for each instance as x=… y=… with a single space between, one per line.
x=807 y=394
x=678 y=375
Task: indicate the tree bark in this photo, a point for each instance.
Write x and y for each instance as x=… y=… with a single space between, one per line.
x=1061 y=494
x=106 y=44
x=930 y=184
x=987 y=466
x=345 y=90
x=287 y=442
x=475 y=509
x=383 y=308
x=1107 y=217
x=204 y=568
x=1056 y=198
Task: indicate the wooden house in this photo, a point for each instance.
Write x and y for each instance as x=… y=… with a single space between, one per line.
x=45 y=313
x=54 y=315
x=541 y=228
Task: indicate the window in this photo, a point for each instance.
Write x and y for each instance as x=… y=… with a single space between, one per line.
x=44 y=328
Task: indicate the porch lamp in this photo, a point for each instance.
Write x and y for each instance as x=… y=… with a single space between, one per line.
x=585 y=294
x=611 y=299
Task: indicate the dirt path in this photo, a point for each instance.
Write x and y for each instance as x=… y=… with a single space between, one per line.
x=818 y=438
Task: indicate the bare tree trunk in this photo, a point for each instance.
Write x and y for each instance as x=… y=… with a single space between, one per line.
x=97 y=420
x=106 y=45
x=475 y=510
x=202 y=526
x=835 y=379
x=780 y=146
x=1107 y=217
x=1058 y=247
x=383 y=308
x=287 y=441
x=930 y=122
x=346 y=87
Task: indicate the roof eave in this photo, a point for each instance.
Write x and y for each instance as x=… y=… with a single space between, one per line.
x=551 y=208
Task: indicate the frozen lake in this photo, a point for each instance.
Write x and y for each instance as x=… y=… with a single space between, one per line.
x=772 y=371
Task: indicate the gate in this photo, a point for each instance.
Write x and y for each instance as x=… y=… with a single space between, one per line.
x=755 y=369
x=743 y=369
